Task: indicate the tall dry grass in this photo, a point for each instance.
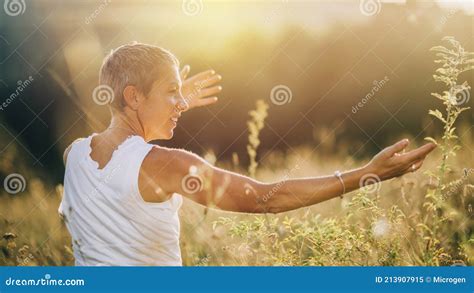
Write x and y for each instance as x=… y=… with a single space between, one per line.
x=425 y=218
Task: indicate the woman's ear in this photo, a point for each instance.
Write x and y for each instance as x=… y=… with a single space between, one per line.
x=131 y=97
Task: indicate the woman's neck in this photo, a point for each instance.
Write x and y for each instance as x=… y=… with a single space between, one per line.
x=121 y=122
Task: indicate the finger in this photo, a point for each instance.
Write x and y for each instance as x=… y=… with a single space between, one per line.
x=397 y=147
x=201 y=76
x=210 y=91
x=418 y=153
x=205 y=102
x=209 y=81
x=415 y=166
x=185 y=71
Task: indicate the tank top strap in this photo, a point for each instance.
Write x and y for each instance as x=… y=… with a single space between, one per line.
x=131 y=158
x=139 y=149
x=133 y=154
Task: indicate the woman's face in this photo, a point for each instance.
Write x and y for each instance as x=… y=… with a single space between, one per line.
x=161 y=108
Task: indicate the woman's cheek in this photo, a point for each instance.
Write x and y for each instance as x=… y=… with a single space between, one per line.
x=172 y=103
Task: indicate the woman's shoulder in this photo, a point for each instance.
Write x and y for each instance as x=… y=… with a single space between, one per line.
x=165 y=163
x=159 y=155
x=68 y=149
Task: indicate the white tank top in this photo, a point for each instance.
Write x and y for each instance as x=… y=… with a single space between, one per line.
x=109 y=222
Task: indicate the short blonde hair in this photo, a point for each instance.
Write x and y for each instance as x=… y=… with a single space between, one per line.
x=134 y=64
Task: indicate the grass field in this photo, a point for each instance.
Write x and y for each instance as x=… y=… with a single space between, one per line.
x=388 y=225
x=425 y=218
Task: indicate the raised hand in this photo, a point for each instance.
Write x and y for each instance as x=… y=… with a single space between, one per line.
x=390 y=162
x=200 y=89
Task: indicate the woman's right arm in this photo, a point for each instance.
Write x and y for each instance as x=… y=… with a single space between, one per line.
x=176 y=170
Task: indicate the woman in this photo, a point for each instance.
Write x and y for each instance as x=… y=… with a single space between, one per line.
x=122 y=194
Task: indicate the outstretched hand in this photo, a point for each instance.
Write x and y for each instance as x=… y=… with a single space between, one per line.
x=390 y=162
x=200 y=89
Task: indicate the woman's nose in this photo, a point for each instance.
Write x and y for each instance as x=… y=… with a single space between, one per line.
x=182 y=104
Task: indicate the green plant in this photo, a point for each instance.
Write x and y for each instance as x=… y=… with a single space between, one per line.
x=439 y=220
x=454 y=61
x=368 y=233
x=427 y=227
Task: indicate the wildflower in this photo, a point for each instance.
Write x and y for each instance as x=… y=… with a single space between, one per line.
x=381 y=228
x=10 y=238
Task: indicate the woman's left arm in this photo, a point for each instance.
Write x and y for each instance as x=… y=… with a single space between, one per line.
x=174 y=170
